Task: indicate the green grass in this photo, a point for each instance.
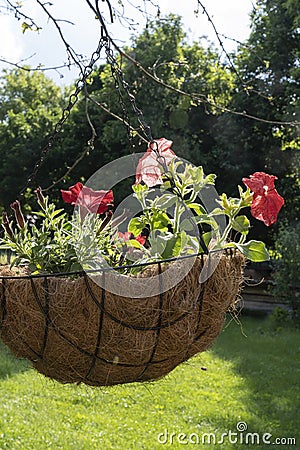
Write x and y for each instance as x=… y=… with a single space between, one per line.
x=254 y=379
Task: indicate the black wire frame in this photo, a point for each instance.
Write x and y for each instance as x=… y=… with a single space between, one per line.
x=117 y=268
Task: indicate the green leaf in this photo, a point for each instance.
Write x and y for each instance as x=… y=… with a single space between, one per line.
x=207 y=237
x=137 y=188
x=178 y=243
x=205 y=218
x=168 y=245
x=210 y=178
x=160 y=221
x=165 y=201
x=199 y=209
x=254 y=251
x=26 y=26
x=246 y=197
x=56 y=213
x=217 y=212
x=158 y=242
x=188 y=224
x=136 y=225
x=199 y=174
x=224 y=202
x=134 y=243
x=241 y=224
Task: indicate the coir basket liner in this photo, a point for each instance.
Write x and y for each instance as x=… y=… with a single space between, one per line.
x=74 y=331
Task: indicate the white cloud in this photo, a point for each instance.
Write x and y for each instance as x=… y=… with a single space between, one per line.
x=11 y=46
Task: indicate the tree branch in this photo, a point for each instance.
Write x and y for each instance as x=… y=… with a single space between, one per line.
x=38 y=68
x=19 y=14
x=197 y=97
x=70 y=51
x=115 y=116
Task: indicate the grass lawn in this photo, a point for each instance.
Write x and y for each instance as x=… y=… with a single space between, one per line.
x=252 y=376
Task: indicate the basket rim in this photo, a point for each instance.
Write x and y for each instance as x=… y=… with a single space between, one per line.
x=109 y=269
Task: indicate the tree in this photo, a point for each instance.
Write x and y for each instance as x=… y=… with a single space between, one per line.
x=30 y=104
x=267 y=86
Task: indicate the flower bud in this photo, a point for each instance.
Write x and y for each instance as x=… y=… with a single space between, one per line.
x=6 y=225
x=18 y=214
x=40 y=196
x=106 y=221
x=121 y=218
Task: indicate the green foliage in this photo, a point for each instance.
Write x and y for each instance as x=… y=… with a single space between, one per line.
x=254 y=251
x=54 y=243
x=179 y=210
x=173 y=223
x=29 y=26
x=164 y=51
x=45 y=248
x=280 y=318
x=287 y=267
x=29 y=106
x=290 y=188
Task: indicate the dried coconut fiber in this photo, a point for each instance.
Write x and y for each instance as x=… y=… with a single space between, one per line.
x=74 y=331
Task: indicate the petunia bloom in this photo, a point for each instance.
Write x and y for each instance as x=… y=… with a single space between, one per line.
x=128 y=236
x=141 y=239
x=93 y=201
x=266 y=202
x=149 y=166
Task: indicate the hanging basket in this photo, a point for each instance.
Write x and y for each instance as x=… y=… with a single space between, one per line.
x=74 y=331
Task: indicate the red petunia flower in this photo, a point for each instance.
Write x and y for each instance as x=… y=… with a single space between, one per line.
x=266 y=202
x=127 y=236
x=93 y=201
x=149 y=166
x=141 y=239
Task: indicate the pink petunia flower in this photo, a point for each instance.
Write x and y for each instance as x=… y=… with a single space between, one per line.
x=149 y=166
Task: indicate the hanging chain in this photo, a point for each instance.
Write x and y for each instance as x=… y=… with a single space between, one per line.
x=73 y=98
x=120 y=82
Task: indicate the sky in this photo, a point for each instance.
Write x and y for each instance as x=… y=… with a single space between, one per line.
x=231 y=18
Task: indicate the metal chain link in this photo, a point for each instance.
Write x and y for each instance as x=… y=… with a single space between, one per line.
x=120 y=81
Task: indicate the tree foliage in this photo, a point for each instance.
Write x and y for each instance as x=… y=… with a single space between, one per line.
x=267 y=86
x=163 y=49
x=30 y=104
